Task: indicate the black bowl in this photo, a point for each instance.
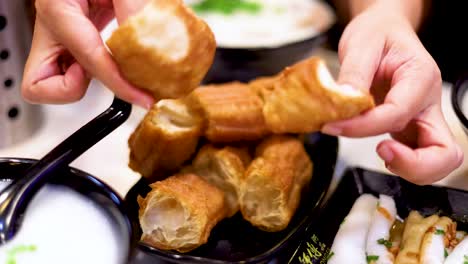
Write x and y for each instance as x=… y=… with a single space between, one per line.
x=458 y=93
x=87 y=185
x=244 y=64
x=234 y=240
x=238 y=64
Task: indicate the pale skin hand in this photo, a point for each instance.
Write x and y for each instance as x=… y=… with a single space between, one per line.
x=67 y=50
x=380 y=51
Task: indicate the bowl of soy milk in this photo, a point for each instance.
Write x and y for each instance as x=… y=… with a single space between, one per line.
x=74 y=219
x=261 y=37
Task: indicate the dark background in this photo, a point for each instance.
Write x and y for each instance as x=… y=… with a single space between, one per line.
x=444 y=34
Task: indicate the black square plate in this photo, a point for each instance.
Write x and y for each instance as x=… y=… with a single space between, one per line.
x=427 y=200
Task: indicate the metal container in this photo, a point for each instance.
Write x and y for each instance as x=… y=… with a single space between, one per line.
x=18 y=119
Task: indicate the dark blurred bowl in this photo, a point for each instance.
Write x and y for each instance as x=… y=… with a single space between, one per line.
x=245 y=64
x=90 y=187
x=458 y=93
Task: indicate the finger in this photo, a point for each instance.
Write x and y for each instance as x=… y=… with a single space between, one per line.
x=357 y=69
x=102 y=17
x=407 y=97
x=436 y=156
x=126 y=8
x=88 y=49
x=43 y=79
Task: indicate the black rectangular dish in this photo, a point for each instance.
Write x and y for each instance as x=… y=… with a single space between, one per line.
x=428 y=200
x=234 y=240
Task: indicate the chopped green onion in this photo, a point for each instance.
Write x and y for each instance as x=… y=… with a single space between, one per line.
x=11 y=254
x=372 y=258
x=330 y=255
x=384 y=242
x=440 y=232
x=445 y=253
x=227 y=7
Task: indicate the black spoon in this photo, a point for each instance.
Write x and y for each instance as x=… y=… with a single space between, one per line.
x=15 y=198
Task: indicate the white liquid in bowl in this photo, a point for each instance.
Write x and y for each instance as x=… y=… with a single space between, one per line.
x=62 y=226
x=278 y=22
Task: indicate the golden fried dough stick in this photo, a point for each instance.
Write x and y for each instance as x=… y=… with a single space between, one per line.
x=305 y=96
x=179 y=212
x=165 y=138
x=224 y=168
x=233 y=112
x=271 y=189
x=415 y=228
x=165 y=49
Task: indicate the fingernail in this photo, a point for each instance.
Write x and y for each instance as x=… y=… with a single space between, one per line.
x=145 y=103
x=386 y=154
x=332 y=130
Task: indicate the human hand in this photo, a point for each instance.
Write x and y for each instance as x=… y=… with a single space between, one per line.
x=67 y=51
x=380 y=51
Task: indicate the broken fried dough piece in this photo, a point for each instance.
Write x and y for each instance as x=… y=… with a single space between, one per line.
x=157 y=48
x=180 y=212
x=165 y=138
x=305 y=97
x=271 y=189
x=224 y=168
x=233 y=112
x=415 y=229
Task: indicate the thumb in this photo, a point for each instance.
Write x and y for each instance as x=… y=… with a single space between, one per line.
x=126 y=8
x=360 y=59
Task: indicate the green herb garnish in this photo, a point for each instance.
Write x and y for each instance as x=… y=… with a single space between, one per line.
x=439 y=232
x=330 y=255
x=372 y=258
x=466 y=259
x=445 y=253
x=11 y=254
x=386 y=243
x=227 y=7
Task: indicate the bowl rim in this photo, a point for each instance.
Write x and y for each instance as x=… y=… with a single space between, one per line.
x=104 y=188
x=324 y=6
x=458 y=91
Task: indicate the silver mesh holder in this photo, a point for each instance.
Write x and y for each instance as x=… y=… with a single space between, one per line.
x=18 y=119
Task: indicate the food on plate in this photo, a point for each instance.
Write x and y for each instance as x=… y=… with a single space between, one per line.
x=416 y=227
x=164 y=139
x=224 y=168
x=435 y=241
x=263 y=23
x=379 y=230
x=459 y=254
x=271 y=189
x=305 y=97
x=387 y=240
x=267 y=189
x=349 y=245
x=233 y=112
x=165 y=49
x=59 y=224
x=179 y=212
x=263 y=86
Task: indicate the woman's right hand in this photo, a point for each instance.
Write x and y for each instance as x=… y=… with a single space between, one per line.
x=381 y=52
